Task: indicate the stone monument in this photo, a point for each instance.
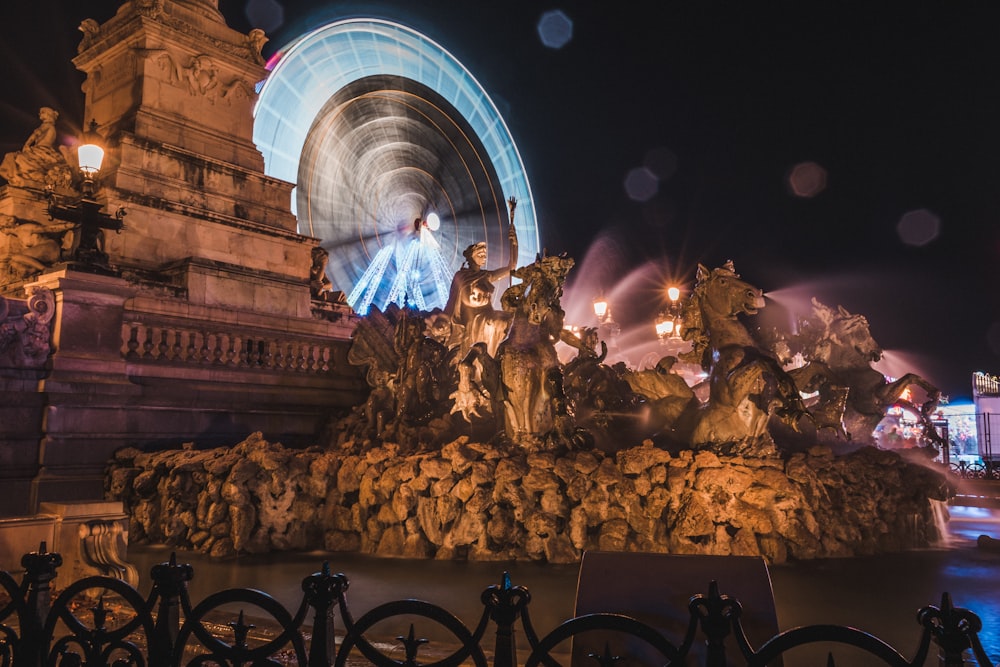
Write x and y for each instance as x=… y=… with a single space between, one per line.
x=205 y=320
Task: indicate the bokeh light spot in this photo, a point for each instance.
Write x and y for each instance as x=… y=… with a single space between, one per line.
x=807 y=179
x=641 y=184
x=662 y=162
x=268 y=15
x=555 y=29
x=918 y=228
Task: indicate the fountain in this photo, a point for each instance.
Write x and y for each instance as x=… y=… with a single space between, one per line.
x=517 y=456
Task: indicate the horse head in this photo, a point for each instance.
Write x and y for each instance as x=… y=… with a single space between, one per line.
x=854 y=336
x=722 y=293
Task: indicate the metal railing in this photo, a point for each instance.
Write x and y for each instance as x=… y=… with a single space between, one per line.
x=116 y=626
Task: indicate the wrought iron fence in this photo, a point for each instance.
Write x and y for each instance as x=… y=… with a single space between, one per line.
x=104 y=621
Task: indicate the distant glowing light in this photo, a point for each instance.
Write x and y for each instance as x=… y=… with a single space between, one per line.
x=555 y=29
x=918 y=228
x=807 y=179
x=267 y=15
x=641 y=184
x=673 y=293
x=433 y=222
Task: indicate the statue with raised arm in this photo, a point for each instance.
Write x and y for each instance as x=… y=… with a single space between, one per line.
x=470 y=301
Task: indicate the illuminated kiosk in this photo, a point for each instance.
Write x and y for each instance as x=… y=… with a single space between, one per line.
x=378 y=126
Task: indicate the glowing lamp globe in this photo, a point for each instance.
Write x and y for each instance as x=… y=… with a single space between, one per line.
x=673 y=293
x=433 y=222
x=600 y=308
x=89 y=153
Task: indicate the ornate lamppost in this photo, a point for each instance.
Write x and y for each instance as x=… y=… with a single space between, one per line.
x=87 y=248
x=668 y=322
x=608 y=327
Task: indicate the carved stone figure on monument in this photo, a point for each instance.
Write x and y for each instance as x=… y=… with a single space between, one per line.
x=256 y=39
x=470 y=301
x=202 y=77
x=28 y=247
x=320 y=286
x=25 y=334
x=38 y=162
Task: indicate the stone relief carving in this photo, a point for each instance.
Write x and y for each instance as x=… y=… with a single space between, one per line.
x=25 y=334
x=237 y=89
x=41 y=310
x=167 y=65
x=38 y=162
x=202 y=77
x=149 y=8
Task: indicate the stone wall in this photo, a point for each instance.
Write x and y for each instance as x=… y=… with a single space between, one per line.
x=469 y=502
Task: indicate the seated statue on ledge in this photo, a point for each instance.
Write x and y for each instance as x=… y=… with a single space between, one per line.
x=38 y=161
x=28 y=247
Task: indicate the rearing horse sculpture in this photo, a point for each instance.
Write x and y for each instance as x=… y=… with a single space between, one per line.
x=746 y=385
x=839 y=350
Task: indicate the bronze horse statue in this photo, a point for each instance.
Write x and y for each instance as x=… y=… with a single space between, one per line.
x=747 y=386
x=839 y=352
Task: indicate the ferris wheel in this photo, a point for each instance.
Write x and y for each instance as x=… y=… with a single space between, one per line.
x=381 y=129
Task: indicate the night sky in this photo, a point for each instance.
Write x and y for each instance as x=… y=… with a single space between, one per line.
x=898 y=104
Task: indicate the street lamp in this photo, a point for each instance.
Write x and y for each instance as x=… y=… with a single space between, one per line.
x=601 y=309
x=668 y=323
x=608 y=328
x=90 y=156
x=87 y=248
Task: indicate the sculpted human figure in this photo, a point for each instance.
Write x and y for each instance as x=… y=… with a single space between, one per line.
x=38 y=161
x=28 y=247
x=470 y=301
x=320 y=286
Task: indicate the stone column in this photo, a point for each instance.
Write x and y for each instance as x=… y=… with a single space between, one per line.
x=86 y=391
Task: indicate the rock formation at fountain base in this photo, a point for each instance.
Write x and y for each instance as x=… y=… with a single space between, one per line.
x=467 y=501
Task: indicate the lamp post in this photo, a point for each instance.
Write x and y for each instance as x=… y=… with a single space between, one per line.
x=601 y=309
x=668 y=323
x=608 y=327
x=87 y=248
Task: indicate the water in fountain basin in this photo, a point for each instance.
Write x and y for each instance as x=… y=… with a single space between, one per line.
x=878 y=594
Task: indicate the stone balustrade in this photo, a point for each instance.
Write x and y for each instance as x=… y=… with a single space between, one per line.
x=164 y=343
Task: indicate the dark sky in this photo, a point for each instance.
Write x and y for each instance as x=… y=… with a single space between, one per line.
x=899 y=103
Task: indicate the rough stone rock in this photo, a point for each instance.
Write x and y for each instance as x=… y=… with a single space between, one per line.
x=471 y=501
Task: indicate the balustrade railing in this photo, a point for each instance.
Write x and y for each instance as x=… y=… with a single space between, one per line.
x=179 y=345
x=984 y=384
x=99 y=621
